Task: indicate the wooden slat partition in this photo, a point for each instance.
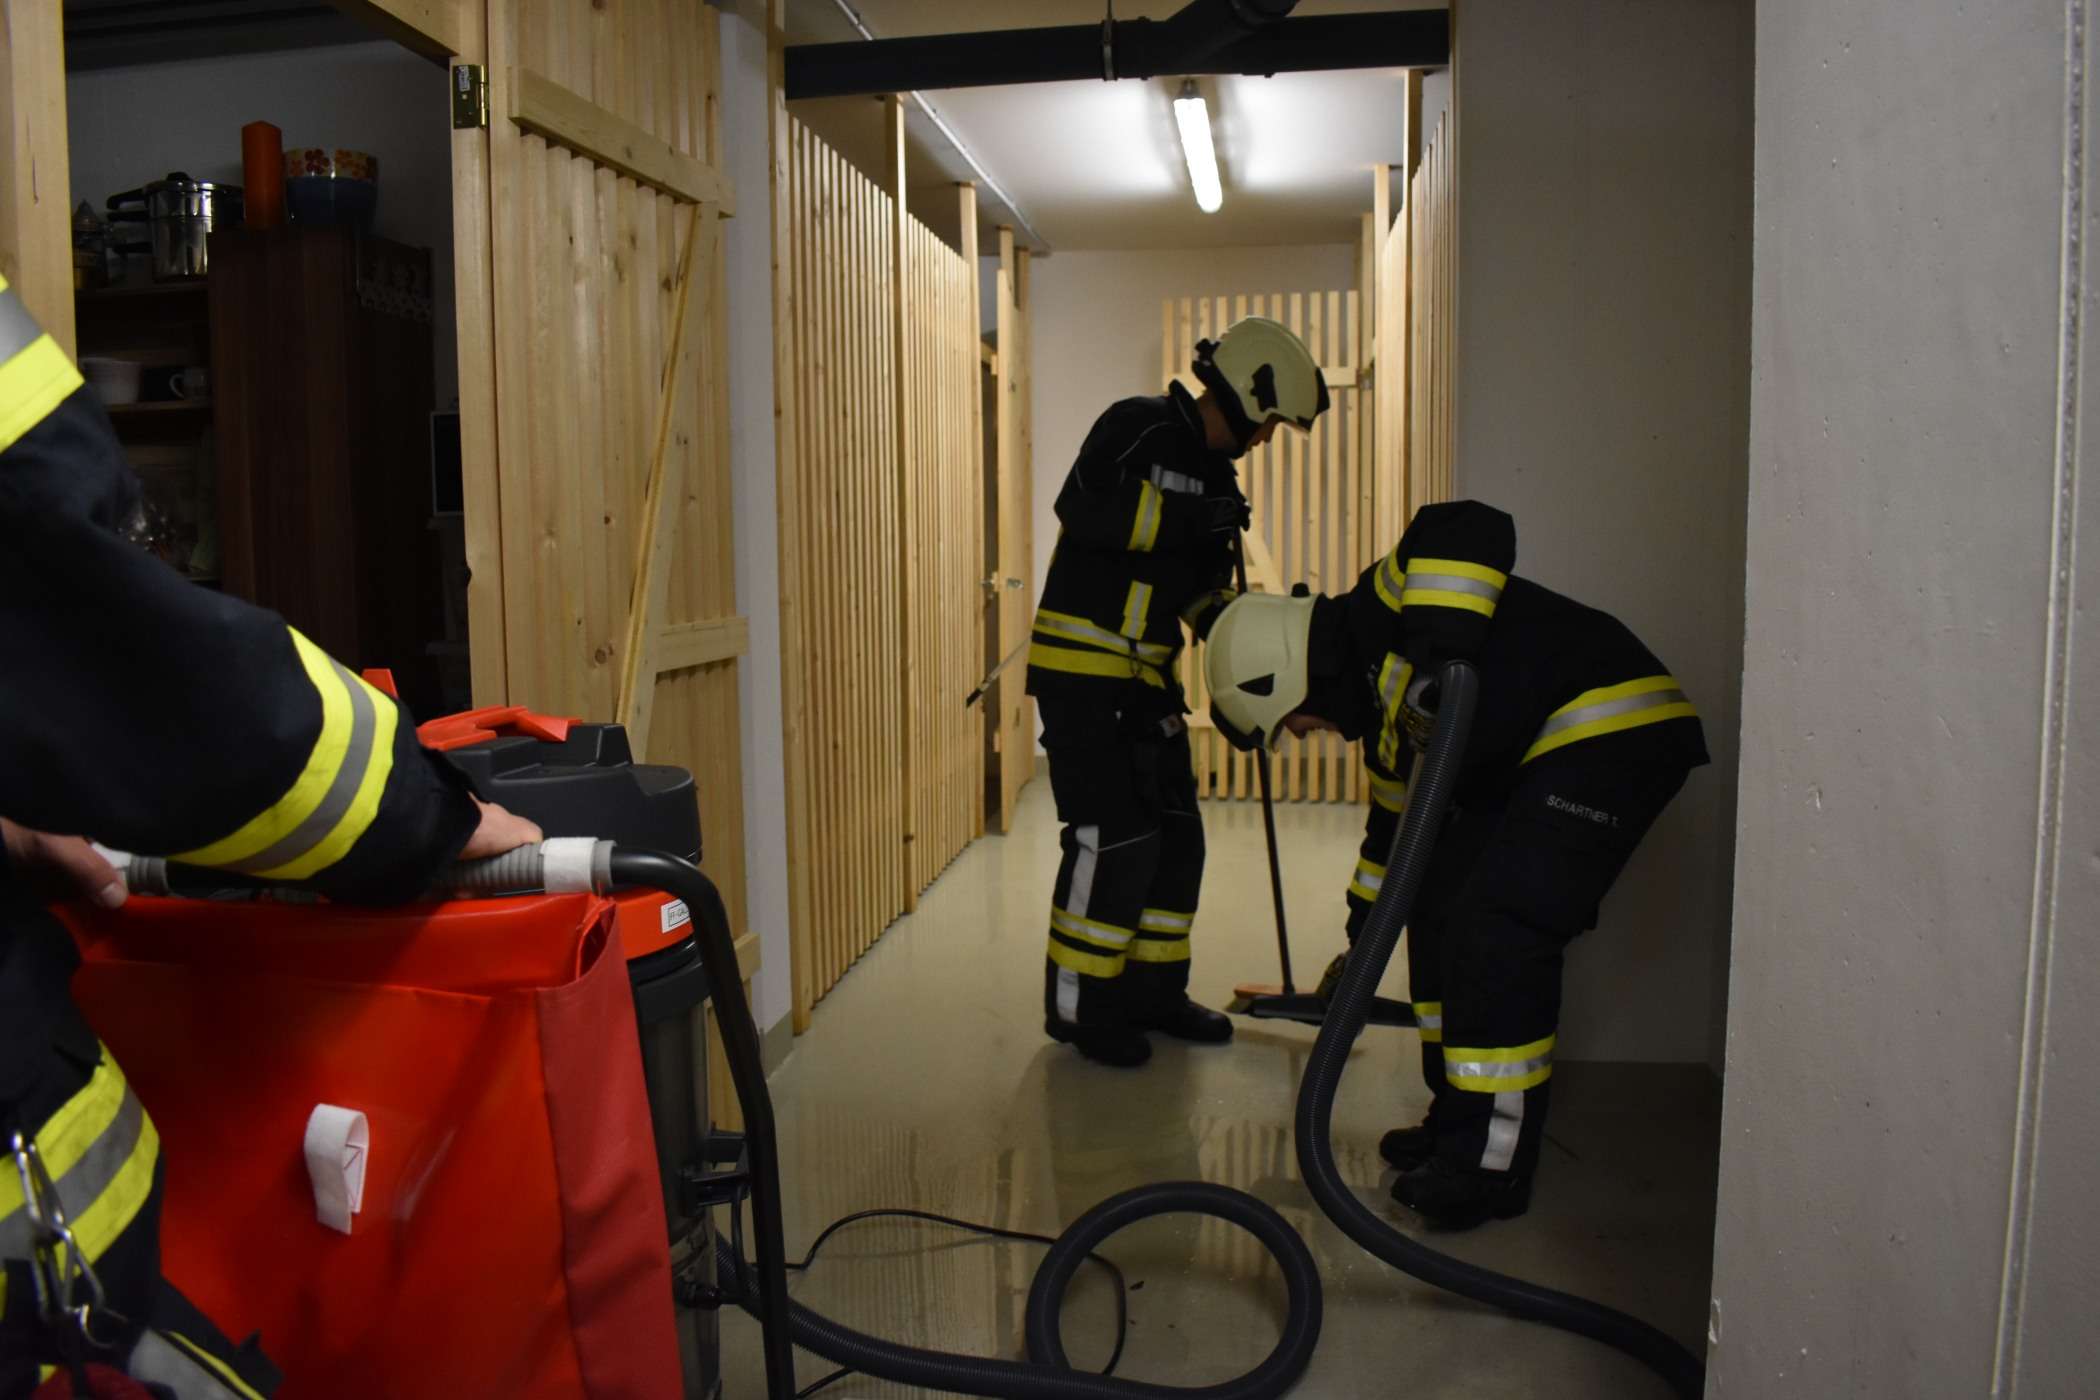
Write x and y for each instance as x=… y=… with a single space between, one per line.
x=944 y=600
x=882 y=617
x=1432 y=226
x=839 y=561
x=1307 y=494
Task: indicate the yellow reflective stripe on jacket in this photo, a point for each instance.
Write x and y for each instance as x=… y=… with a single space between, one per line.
x=1453 y=583
x=1499 y=1069
x=99 y=1150
x=186 y=1369
x=1390 y=580
x=1093 y=663
x=1393 y=676
x=1066 y=627
x=1389 y=793
x=1610 y=709
x=1137 y=609
x=1144 y=526
x=35 y=375
x=1429 y=1019
x=1369 y=880
x=336 y=794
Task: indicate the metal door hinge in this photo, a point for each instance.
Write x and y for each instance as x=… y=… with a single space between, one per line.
x=470 y=96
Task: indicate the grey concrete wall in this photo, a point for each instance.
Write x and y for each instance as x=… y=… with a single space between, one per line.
x=1603 y=331
x=1910 y=1124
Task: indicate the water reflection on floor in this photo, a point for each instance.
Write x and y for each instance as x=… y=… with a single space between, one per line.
x=926 y=1081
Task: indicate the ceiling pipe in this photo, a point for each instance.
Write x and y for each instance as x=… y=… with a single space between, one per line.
x=1205 y=37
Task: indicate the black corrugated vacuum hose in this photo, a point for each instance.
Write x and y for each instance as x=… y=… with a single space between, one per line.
x=1459 y=687
x=1047 y=1374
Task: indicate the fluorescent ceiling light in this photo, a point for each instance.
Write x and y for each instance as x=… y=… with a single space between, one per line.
x=1192 y=115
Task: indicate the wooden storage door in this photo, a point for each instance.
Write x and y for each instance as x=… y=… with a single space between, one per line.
x=610 y=481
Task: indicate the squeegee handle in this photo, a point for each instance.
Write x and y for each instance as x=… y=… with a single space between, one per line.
x=1268 y=809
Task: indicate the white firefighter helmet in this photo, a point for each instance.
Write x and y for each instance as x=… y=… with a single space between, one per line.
x=1255 y=666
x=1259 y=371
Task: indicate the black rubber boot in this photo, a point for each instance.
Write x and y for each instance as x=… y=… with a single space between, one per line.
x=1188 y=1021
x=1119 y=1046
x=1458 y=1198
x=1408 y=1148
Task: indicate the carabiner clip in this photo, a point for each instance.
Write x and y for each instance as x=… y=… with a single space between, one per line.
x=58 y=1265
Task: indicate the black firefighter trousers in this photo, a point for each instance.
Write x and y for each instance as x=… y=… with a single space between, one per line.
x=1516 y=875
x=1132 y=854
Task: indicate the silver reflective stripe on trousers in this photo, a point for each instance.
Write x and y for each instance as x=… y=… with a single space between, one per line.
x=1609 y=709
x=84 y=1181
x=1088 y=839
x=1504 y=1126
x=1068 y=996
x=1495 y=1069
x=158 y=1361
x=342 y=789
x=18 y=329
x=1454 y=583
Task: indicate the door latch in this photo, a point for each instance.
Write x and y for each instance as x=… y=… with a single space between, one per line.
x=470 y=96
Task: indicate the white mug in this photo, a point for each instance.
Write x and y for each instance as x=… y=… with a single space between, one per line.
x=191 y=383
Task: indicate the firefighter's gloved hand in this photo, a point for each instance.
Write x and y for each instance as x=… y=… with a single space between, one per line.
x=1228 y=514
x=1418 y=709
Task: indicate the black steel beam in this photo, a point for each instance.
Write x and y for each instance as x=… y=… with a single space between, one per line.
x=1003 y=57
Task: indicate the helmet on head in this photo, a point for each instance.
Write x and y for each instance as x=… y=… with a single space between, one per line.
x=1255 y=665
x=1259 y=371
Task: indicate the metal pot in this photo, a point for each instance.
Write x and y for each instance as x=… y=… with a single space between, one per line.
x=180 y=213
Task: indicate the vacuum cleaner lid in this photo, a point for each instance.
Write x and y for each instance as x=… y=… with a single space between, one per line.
x=574 y=779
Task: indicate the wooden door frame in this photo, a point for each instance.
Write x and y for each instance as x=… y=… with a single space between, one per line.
x=36 y=226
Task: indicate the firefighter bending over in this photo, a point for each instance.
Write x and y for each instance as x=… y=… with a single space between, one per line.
x=1580 y=739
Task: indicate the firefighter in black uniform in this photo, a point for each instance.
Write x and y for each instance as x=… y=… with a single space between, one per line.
x=1580 y=739
x=1150 y=516
x=159 y=717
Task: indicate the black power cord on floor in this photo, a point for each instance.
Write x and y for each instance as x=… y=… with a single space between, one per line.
x=987 y=1231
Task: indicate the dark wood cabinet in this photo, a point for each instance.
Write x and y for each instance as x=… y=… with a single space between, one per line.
x=322 y=381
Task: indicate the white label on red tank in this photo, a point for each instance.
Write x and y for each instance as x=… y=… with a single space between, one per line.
x=676 y=915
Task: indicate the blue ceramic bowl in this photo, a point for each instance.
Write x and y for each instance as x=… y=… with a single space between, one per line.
x=330 y=200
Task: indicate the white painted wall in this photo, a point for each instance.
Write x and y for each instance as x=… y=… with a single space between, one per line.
x=1910 y=1125
x=1095 y=336
x=127 y=126
x=748 y=244
x=1604 y=270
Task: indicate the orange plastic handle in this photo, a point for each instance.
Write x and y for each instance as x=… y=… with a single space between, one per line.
x=491 y=722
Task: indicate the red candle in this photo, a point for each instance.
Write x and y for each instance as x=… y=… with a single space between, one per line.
x=262 y=172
